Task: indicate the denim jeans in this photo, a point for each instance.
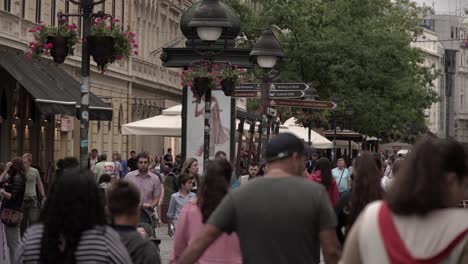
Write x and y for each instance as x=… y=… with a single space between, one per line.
x=30 y=213
x=12 y=234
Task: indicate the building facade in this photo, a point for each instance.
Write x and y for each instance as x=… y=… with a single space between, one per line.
x=434 y=56
x=132 y=89
x=452 y=33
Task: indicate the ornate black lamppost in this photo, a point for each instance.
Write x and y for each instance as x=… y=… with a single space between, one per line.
x=265 y=54
x=87 y=14
x=209 y=22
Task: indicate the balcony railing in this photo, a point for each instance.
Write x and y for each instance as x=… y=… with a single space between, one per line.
x=14 y=33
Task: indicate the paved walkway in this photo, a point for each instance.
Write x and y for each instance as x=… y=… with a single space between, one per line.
x=166 y=244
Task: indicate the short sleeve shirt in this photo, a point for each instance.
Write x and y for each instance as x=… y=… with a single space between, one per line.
x=149 y=185
x=32 y=178
x=278 y=220
x=344 y=175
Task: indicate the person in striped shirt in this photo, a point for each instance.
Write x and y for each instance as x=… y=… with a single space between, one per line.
x=72 y=227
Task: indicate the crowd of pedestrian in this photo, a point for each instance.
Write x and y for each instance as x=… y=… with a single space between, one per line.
x=293 y=207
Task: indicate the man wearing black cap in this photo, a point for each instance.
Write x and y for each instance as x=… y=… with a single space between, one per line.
x=280 y=218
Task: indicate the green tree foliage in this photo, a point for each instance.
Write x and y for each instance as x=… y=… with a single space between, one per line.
x=356 y=49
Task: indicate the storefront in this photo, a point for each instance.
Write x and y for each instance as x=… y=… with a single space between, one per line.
x=35 y=96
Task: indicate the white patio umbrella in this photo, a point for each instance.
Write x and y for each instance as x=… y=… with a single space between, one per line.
x=318 y=141
x=169 y=124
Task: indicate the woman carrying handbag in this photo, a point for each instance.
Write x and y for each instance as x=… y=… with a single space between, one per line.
x=13 y=193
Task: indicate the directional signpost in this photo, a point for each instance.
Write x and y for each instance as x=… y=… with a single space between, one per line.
x=277 y=90
x=303 y=104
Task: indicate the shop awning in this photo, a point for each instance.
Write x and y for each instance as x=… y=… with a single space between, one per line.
x=53 y=89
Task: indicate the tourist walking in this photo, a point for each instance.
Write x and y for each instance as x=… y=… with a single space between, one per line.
x=148 y=184
x=72 y=227
x=123 y=204
x=13 y=196
x=366 y=187
x=341 y=175
x=30 y=202
x=191 y=168
x=178 y=200
x=418 y=222
x=324 y=176
x=132 y=162
x=276 y=216
x=253 y=170
x=196 y=212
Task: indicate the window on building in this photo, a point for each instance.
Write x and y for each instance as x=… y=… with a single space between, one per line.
x=52 y=12
x=452 y=32
x=67 y=7
x=113 y=8
x=23 y=8
x=79 y=21
x=103 y=6
x=7 y=5
x=122 y=17
x=38 y=11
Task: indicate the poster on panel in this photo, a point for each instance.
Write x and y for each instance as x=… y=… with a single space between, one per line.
x=220 y=126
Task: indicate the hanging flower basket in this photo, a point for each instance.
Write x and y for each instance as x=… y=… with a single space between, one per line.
x=216 y=76
x=200 y=86
x=108 y=42
x=59 y=49
x=56 y=41
x=102 y=50
x=228 y=85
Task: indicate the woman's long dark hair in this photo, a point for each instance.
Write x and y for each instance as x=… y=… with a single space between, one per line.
x=366 y=184
x=323 y=165
x=17 y=168
x=217 y=176
x=71 y=209
x=421 y=184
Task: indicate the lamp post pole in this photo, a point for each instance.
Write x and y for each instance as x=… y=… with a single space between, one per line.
x=265 y=54
x=334 y=139
x=265 y=104
x=87 y=11
x=207 y=127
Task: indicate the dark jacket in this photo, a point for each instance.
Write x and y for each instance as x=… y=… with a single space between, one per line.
x=16 y=186
x=132 y=164
x=141 y=251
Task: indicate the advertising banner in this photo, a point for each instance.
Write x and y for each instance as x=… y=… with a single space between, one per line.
x=220 y=126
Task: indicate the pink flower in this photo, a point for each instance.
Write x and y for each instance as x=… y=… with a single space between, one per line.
x=190 y=84
x=132 y=40
x=118 y=57
x=72 y=27
x=33 y=44
x=135 y=45
x=32 y=30
x=132 y=34
x=124 y=34
x=98 y=20
x=135 y=52
x=117 y=20
x=39 y=28
x=41 y=22
x=108 y=27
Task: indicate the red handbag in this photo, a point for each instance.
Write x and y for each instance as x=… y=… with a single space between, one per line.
x=10 y=217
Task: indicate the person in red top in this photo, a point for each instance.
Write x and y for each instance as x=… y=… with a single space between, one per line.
x=323 y=175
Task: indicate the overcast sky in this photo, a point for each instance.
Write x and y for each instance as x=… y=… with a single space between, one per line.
x=446 y=6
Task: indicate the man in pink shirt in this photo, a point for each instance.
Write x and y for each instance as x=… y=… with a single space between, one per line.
x=148 y=183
